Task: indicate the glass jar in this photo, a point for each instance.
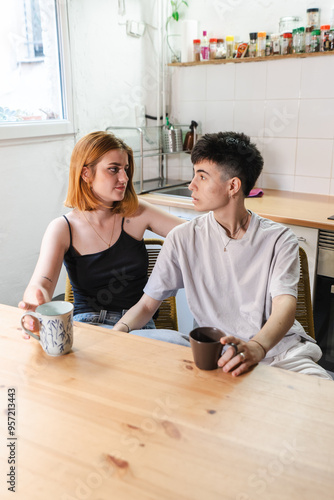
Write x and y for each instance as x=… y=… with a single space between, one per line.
x=261 y=44
x=252 y=44
x=275 y=44
x=286 y=43
x=331 y=39
x=197 y=50
x=269 y=46
x=324 y=38
x=287 y=24
x=220 y=54
x=308 y=38
x=213 y=48
x=294 y=40
x=300 y=41
x=315 y=41
x=313 y=18
x=229 y=47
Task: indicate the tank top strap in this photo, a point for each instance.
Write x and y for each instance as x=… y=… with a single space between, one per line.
x=122 y=223
x=69 y=227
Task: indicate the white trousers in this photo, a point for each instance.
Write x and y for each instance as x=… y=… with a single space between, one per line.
x=301 y=358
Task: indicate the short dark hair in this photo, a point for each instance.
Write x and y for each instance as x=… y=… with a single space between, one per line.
x=233 y=153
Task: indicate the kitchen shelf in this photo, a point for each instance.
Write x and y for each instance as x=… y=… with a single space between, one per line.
x=253 y=59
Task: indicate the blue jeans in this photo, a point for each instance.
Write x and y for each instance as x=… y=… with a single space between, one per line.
x=109 y=319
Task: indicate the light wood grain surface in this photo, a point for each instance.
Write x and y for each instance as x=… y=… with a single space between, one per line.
x=123 y=417
x=282 y=206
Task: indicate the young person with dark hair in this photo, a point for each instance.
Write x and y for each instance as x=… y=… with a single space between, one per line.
x=240 y=271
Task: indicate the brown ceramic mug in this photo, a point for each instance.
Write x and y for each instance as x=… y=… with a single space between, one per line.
x=206 y=346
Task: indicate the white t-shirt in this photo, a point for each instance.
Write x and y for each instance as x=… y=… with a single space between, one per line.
x=233 y=289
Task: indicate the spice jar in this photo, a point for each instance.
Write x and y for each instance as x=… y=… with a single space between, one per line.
x=252 y=44
x=308 y=38
x=229 y=47
x=300 y=41
x=324 y=38
x=313 y=18
x=261 y=44
x=331 y=39
x=197 y=50
x=315 y=41
x=275 y=44
x=220 y=53
x=213 y=48
x=286 y=43
x=269 y=47
x=294 y=40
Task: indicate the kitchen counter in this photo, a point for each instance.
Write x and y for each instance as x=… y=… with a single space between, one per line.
x=281 y=206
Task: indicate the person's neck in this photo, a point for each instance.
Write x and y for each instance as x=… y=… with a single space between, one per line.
x=234 y=219
x=100 y=214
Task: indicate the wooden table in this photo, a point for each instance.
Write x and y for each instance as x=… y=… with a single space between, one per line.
x=124 y=417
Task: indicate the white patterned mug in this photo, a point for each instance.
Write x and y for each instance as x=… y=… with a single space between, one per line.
x=55 y=327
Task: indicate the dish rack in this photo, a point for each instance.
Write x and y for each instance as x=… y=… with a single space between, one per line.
x=149 y=142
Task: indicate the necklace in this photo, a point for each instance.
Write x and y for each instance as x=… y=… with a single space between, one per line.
x=112 y=233
x=236 y=232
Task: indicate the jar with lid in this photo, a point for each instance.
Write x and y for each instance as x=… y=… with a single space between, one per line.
x=213 y=48
x=294 y=40
x=229 y=47
x=313 y=18
x=300 y=41
x=275 y=39
x=252 y=44
x=287 y=24
x=331 y=39
x=308 y=38
x=269 y=46
x=197 y=50
x=286 y=43
x=324 y=37
x=315 y=41
x=220 y=53
x=261 y=44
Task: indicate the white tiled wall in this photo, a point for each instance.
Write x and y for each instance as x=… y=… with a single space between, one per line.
x=286 y=106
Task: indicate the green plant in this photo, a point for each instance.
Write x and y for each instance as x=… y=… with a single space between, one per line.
x=175 y=15
x=175 y=9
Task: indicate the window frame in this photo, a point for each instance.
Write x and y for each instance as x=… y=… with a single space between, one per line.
x=33 y=129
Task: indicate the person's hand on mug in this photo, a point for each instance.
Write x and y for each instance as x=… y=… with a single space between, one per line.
x=35 y=299
x=240 y=356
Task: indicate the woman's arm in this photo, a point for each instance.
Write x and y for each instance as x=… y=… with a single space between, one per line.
x=279 y=323
x=157 y=220
x=42 y=284
x=136 y=317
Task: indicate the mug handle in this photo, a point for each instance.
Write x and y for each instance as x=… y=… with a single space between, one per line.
x=25 y=329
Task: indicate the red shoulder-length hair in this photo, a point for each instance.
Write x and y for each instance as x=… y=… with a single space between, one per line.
x=87 y=153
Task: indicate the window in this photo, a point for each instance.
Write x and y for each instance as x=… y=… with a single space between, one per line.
x=33 y=39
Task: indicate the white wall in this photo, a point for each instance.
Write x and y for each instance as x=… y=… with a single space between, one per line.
x=286 y=106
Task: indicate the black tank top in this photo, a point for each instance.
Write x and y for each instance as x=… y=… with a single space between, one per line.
x=112 y=279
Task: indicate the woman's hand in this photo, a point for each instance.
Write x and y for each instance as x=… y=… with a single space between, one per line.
x=240 y=358
x=35 y=299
